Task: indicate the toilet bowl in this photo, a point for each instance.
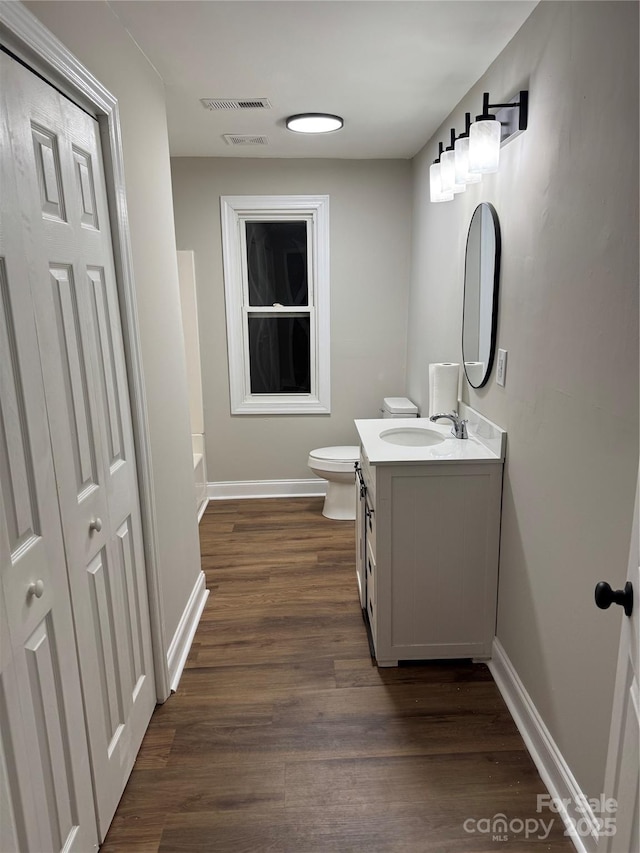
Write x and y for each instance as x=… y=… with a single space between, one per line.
x=337 y=466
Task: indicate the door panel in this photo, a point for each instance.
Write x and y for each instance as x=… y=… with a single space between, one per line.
x=16 y=468
x=85 y=188
x=47 y=163
x=56 y=147
x=75 y=378
x=133 y=625
x=105 y=366
x=100 y=587
x=12 y=831
x=41 y=657
x=17 y=832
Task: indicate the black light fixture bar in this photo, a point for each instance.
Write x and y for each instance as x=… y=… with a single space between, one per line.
x=467 y=126
x=520 y=102
x=440 y=150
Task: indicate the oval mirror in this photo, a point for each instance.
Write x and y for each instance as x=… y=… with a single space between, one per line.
x=480 y=308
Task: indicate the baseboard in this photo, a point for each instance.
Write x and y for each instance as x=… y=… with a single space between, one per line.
x=183 y=637
x=202 y=508
x=578 y=817
x=267 y=489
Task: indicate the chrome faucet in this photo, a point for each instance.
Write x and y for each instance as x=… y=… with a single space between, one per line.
x=459 y=426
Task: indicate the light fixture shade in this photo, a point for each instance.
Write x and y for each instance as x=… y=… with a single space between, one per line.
x=484 y=146
x=463 y=175
x=448 y=173
x=314 y=123
x=435 y=185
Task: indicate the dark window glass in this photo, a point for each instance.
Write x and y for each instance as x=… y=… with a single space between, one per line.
x=280 y=355
x=277 y=263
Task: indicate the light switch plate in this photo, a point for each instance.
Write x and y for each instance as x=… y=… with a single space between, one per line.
x=501 y=373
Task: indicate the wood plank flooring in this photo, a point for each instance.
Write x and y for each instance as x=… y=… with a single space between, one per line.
x=284 y=737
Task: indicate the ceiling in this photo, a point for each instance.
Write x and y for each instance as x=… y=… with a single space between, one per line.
x=394 y=69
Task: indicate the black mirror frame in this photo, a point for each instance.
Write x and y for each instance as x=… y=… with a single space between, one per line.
x=494 y=305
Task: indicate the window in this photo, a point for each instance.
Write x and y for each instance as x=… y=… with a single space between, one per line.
x=276 y=279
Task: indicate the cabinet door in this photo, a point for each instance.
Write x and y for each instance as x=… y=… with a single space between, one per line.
x=44 y=769
x=60 y=180
x=437 y=560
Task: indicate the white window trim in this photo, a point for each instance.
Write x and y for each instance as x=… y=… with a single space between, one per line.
x=234 y=210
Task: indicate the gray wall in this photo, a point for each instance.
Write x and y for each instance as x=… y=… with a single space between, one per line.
x=370 y=232
x=92 y=32
x=567 y=198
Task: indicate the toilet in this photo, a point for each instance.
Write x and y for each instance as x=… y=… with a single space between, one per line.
x=337 y=465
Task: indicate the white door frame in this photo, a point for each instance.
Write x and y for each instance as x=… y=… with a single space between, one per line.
x=32 y=43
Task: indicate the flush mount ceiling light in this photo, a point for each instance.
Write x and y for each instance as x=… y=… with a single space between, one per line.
x=476 y=152
x=314 y=123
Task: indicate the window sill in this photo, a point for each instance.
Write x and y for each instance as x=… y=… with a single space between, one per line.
x=281 y=407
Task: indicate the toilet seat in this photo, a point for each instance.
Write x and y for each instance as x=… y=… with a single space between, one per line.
x=338 y=459
x=337 y=454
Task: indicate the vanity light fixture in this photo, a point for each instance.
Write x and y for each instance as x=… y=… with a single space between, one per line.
x=314 y=123
x=484 y=141
x=448 y=168
x=436 y=192
x=476 y=152
x=486 y=133
x=461 y=150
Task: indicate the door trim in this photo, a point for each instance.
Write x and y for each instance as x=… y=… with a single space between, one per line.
x=23 y=35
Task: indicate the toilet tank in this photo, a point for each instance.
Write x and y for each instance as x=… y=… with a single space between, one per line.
x=399 y=407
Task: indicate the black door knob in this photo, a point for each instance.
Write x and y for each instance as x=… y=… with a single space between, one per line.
x=605 y=596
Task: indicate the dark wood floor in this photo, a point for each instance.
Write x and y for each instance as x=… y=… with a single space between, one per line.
x=284 y=737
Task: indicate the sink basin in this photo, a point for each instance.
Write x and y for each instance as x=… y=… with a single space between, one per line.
x=412 y=437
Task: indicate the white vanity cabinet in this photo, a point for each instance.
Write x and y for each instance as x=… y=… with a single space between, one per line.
x=427 y=556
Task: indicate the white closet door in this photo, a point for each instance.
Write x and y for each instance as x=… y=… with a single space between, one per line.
x=44 y=768
x=56 y=148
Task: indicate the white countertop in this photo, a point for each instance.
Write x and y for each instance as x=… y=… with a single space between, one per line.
x=486 y=442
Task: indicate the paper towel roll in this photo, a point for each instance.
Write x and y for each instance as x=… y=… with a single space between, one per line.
x=474 y=371
x=443 y=387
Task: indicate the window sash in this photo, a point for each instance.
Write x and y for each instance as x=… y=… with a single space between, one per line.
x=244 y=260
x=244 y=256
x=257 y=311
x=289 y=369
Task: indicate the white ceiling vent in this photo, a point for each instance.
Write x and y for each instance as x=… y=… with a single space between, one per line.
x=244 y=139
x=235 y=103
